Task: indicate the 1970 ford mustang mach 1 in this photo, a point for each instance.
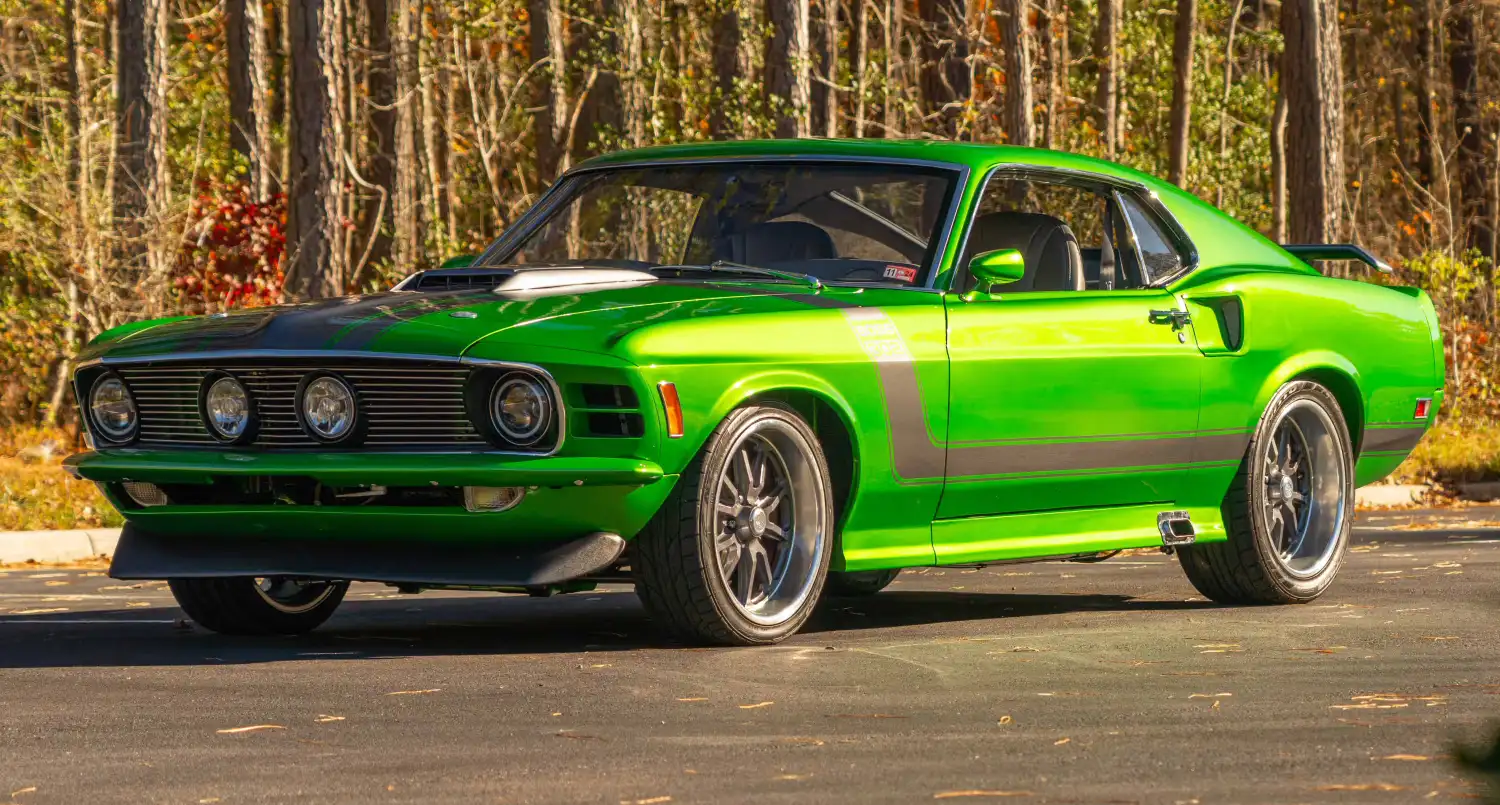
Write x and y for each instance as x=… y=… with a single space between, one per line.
x=741 y=375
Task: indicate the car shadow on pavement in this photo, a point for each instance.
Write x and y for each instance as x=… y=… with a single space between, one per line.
x=481 y=625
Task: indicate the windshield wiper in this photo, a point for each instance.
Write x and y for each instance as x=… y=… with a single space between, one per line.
x=740 y=268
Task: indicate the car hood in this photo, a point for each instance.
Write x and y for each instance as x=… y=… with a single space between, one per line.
x=448 y=323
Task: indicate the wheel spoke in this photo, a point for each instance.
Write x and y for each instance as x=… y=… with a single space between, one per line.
x=775 y=532
x=744 y=473
x=745 y=577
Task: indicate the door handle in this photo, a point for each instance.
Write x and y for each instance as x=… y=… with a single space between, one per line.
x=1176 y=318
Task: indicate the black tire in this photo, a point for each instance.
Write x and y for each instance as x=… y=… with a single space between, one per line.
x=1251 y=568
x=238 y=606
x=859 y=583
x=676 y=558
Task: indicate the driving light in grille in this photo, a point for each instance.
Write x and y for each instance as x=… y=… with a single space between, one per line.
x=112 y=409
x=492 y=498
x=144 y=494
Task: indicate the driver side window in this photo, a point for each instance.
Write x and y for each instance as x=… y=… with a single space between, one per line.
x=1071 y=234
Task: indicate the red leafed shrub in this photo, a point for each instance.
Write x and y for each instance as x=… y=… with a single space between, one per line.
x=234 y=252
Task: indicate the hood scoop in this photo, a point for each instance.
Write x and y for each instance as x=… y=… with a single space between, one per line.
x=538 y=282
x=523 y=282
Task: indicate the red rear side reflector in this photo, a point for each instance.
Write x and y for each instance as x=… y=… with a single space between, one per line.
x=1424 y=407
x=674 y=408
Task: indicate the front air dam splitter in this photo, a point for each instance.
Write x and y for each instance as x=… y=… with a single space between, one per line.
x=145 y=555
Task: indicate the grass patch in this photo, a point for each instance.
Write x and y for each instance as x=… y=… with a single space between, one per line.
x=36 y=494
x=1454 y=451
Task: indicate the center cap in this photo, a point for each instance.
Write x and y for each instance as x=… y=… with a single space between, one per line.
x=751 y=523
x=1287 y=489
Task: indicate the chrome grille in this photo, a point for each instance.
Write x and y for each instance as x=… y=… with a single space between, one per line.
x=416 y=407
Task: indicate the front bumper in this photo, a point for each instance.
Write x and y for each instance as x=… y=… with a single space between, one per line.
x=568 y=498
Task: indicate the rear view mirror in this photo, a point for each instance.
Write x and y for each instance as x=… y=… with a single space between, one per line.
x=998 y=267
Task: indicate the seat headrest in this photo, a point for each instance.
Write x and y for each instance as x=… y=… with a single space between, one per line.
x=1053 y=261
x=780 y=242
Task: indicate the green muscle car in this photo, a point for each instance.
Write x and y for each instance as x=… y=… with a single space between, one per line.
x=745 y=375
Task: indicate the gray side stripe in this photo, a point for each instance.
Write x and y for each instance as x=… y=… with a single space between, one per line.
x=912 y=451
x=1379 y=439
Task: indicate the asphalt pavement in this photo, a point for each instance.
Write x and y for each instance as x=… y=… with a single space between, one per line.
x=1049 y=682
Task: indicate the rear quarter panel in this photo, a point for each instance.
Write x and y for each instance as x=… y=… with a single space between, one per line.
x=1371 y=345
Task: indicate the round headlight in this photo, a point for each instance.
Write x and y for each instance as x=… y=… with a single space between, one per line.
x=328 y=408
x=112 y=409
x=521 y=409
x=226 y=408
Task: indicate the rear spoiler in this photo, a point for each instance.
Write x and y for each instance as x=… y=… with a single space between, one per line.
x=1308 y=252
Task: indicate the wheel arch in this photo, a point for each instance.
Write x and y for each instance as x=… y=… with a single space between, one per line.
x=1332 y=371
x=825 y=409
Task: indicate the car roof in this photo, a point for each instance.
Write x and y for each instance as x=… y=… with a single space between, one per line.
x=976 y=156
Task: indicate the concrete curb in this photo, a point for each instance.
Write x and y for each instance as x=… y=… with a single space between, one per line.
x=1390 y=494
x=57 y=546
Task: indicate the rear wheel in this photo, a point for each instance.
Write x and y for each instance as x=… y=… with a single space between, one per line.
x=863 y=582
x=739 y=552
x=258 y=606
x=1289 y=510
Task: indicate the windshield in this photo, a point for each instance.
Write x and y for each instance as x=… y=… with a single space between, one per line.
x=834 y=221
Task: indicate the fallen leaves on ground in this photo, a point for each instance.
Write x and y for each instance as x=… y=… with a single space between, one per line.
x=647 y=801
x=1405 y=757
x=756 y=706
x=1061 y=741
x=27 y=790
x=251 y=728
x=1388 y=701
x=1208 y=695
x=980 y=792
x=38 y=611
x=323 y=719
x=413 y=692
x=1361 y=787
x=693 y=699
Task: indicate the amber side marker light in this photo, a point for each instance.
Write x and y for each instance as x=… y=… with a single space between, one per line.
x=1424 y=407
x=674 y=408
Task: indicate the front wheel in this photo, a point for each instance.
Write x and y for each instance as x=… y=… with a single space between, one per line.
x=258 y=606
x=739 y=552
x=1290 y=508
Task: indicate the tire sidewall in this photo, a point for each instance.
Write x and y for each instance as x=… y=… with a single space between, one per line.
x=1292 y=587
x=716 y=454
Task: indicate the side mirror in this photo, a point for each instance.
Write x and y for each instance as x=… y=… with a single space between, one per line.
x=998 y=267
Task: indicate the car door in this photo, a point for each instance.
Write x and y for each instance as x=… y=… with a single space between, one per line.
x=1068 y=398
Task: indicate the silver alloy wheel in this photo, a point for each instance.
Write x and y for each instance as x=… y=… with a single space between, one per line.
x=1303 y=489
x=293 y=596
x=768 y=522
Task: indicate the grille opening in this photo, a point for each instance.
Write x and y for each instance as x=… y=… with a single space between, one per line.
x=462 y=281
x=407 y=405
x=599 y=395
x=291 y=490
x=618 y=425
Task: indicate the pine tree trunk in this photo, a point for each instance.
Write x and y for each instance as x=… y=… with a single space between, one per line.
x=1278 y=170
x=249 y=86
x=548 y=42
x=1106 y=55
x=1182 y=90
x=946 y=84
x=726 y=58
x=407 y=210
x=1020 y=129
x=140 y=187
x=830 y=50
x=382 y=131
x=314 y=232
x=1469 y=127
x=1311 y=77
x=859 y=63
x=788 y=84
x=1423 y=31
